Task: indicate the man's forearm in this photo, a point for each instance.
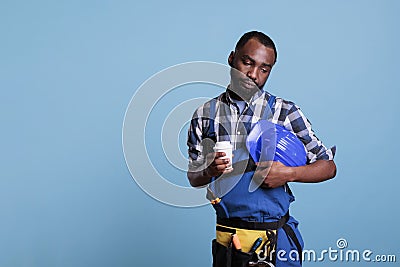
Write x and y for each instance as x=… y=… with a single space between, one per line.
x=318 y=171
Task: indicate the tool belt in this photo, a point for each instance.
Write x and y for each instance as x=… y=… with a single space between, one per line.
x=241 y=243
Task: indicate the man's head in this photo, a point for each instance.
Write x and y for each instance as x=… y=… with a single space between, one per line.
x=251 y=62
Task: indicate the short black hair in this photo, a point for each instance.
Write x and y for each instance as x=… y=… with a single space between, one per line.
x=261 y=37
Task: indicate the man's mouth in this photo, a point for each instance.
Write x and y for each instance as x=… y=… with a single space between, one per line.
x=247 y=84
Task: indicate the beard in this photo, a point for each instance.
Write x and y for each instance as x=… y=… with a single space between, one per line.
x=242 y=87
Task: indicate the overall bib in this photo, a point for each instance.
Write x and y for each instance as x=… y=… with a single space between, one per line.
x=251 y=215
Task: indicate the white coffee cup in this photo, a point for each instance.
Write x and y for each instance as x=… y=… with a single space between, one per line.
x=225 y=146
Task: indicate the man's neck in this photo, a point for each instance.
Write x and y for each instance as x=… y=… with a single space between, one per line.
x=235 y=96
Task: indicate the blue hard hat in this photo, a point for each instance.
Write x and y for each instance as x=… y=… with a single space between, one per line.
x=268 y=141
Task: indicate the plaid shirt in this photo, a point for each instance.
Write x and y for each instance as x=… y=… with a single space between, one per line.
x=234 y=127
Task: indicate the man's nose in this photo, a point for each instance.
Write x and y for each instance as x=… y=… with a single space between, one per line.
x=252 y=74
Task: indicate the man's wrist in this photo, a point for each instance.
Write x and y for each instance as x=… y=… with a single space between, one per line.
x=291 y=177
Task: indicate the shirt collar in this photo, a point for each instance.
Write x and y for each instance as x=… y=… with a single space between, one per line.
x=253 y=99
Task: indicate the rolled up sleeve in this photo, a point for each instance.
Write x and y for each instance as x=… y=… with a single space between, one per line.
x=194 y=143
x=297 y=122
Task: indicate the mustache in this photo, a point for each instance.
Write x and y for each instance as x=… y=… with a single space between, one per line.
x=248 y=81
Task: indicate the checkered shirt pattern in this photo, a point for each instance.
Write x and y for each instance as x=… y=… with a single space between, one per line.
x=234 y=127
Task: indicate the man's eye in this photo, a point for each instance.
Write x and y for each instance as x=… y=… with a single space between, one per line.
x=264 y=70
x=247 y=62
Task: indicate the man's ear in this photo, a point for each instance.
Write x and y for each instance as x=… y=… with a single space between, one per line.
x=230 y=58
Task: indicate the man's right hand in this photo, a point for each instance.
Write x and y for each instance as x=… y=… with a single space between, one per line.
x=216 y=164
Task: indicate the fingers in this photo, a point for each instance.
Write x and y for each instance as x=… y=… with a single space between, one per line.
x=221 y=168
x=218 y=164
x=217 y=158
x=264 y=164
x=274 y=176
x=278 y=164
x=220 y=154
x=221 y=161
x=214 y=155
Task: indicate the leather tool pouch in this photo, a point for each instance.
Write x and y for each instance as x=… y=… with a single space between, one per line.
x=229 y=256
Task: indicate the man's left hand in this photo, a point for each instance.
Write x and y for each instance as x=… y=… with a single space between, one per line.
x=273 y=175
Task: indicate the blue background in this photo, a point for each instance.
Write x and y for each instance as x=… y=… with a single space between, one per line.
x=69 y=68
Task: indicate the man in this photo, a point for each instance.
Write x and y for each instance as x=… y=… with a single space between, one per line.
x=262 y=213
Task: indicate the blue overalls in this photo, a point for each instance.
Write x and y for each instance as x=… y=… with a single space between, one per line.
x=260 y=205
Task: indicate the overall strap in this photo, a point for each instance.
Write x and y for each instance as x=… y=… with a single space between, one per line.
x=289 y=231
x=211 y=128
x=271 y=101
x=266 y=112
x=210 y=133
